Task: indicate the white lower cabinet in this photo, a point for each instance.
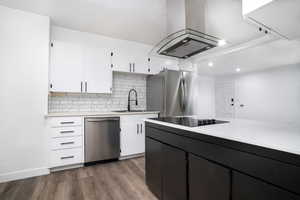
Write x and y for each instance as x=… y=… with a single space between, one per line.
x=133 y=134
x=65 y=141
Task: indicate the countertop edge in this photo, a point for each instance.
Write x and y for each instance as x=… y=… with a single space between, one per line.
x=99 y=114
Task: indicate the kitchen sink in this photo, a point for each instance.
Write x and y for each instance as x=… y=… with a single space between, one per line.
x=123 y=111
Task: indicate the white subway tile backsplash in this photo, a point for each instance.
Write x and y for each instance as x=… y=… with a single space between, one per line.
x=122 y=83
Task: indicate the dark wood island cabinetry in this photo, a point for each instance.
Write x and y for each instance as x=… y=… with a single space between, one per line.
x=182 y=165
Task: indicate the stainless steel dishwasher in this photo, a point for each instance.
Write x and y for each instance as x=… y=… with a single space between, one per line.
x=101 y=139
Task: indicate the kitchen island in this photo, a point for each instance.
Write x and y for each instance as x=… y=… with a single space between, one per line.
x=240 y=160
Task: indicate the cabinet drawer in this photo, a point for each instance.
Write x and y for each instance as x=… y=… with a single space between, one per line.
x=66 y=157
x=66 y=142
x=65 y=121
x=65 y=131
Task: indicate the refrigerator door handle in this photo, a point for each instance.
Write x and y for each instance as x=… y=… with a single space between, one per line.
x=182 y=97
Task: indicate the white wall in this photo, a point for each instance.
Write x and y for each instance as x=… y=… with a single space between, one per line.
x=271 y=95
x=24 y=54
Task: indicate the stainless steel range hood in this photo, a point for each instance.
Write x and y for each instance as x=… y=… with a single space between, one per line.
x=186 y=28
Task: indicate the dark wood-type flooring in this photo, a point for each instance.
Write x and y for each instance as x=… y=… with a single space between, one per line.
x=121 y=180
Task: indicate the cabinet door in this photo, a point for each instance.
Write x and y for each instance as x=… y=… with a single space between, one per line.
x=156 y=65
x=140 y=63
x=65 y=67
x=141 y=131
x=121 y=60
x=248 y=188
x=207 y=180
x=129 y=138
x=97 y=70
x=153 y=161
x=132 y=141
x=174 y=173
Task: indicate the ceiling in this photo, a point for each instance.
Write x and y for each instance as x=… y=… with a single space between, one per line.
x=274 y=54
x=136 y=20
x=224 y=19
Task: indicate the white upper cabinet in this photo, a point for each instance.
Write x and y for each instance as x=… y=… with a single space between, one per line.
x=121 y=60
x=131 y=57
x=75 y=68
x=97 y=70
x=278 y=16
x=83 y=62
x=140 y=63
x=65 y=67
x=158 y=64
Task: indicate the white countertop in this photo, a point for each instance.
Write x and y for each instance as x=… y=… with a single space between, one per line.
x=100 y=114
x=281 y=137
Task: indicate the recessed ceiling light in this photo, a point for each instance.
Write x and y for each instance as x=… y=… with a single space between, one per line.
x=222 y=42
x=210 y=64
x=237 y=69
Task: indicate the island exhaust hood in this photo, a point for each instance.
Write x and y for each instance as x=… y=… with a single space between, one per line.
x=186 y=29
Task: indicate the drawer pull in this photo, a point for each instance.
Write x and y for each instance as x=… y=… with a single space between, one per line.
x=66 y=122
x=66 y=143
x=66 y=157
x=63 y=132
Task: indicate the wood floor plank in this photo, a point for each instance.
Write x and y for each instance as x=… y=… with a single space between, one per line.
x=114 y=187
x=88 y=188
x=9 y=190
x=2 y=187
x=26 y=188
x=121 y=180
x=137 y=187
x=40 y=184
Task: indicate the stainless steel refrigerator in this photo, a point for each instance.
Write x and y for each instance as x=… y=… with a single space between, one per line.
x=170 y=93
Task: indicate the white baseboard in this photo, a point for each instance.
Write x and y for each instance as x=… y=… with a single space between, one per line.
x=132 y=156
x=22 y=174
x=56 y=169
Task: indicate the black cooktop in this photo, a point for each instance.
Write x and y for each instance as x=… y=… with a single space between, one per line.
x=190 y=121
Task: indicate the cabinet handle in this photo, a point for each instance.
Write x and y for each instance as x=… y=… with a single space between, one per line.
x=85 y=86
x=81 y=84
x=133 y=67
x=129 y=67
x=141 y=128
x=62 y=132
x=66 y=157
x=66 y=122
x=137 y=127
x=66 y=143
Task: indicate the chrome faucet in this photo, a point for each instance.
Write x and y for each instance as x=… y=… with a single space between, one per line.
x=129 y=100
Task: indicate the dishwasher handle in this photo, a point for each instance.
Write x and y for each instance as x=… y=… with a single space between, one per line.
x=103 y=120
